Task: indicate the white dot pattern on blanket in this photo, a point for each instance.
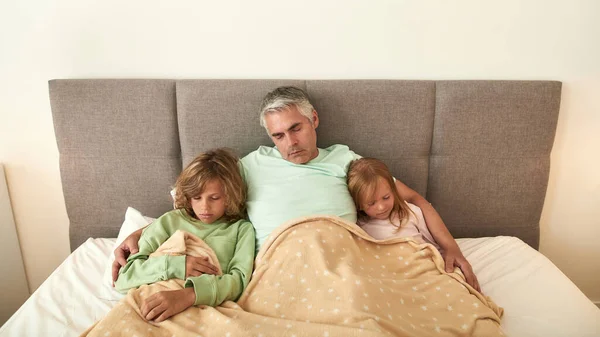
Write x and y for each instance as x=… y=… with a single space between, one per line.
x=338 y=266
x=375 y=288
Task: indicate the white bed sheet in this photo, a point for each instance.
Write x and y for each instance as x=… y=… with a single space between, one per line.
x=71 y=298
x=539 y=300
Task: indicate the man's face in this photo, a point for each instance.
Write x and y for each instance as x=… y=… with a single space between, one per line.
x=293 y=134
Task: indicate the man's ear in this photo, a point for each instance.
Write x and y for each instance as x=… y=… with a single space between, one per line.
x=315 y=118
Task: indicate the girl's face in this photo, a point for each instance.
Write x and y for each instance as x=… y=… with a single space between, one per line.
x=210 y=205
x=381 y=203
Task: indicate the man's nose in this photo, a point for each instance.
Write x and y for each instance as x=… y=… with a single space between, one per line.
x=293 y=140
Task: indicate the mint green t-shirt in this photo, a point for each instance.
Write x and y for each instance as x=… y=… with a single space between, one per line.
x=279 y=190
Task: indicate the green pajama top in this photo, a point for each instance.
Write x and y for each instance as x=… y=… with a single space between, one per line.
x=233 y=244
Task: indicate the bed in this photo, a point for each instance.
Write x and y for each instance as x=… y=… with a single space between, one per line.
x=479 y=151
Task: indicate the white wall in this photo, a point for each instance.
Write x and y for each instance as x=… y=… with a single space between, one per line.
x=15 y=289
x=511 y=39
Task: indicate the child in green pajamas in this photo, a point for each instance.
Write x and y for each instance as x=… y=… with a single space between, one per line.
x=210 y=198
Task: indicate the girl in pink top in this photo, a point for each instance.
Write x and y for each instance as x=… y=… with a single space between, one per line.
x=382 y=212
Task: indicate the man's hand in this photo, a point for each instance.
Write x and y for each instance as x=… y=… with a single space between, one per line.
x=454 y=258
x=165 y=304
x=127 y=247
x=196 y=266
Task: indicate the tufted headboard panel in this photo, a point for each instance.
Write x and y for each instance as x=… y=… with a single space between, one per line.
x=478 y=150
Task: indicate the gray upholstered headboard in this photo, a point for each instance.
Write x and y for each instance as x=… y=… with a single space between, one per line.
x=478 y=150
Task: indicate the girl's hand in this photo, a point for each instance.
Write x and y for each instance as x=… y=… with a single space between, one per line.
x=165 y=304
x=454 y=258
x=196 y=266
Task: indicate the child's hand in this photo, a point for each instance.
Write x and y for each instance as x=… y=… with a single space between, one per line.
x=454 y=258
x=165 y=304
x=196 y=266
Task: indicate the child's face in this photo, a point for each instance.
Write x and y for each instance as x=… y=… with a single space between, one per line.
x=210 y=205
x=381 y=203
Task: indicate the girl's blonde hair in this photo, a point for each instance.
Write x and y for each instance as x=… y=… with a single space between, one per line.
x=218 y=164
x=363 y=177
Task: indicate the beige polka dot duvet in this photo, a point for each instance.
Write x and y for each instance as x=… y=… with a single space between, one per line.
x=323 y=276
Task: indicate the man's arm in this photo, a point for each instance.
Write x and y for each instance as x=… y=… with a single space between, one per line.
x=435 y=224
x=452 y=254
x=127 y=247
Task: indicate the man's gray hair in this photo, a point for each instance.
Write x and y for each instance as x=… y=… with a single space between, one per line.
x=283 y=98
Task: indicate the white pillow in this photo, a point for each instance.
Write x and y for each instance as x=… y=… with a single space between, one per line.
x=134 y=220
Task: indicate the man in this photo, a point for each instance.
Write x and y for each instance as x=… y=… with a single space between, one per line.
x=295 y=178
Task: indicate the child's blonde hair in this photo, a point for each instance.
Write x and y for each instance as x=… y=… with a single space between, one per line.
x=218 y=164
x=363 y=177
